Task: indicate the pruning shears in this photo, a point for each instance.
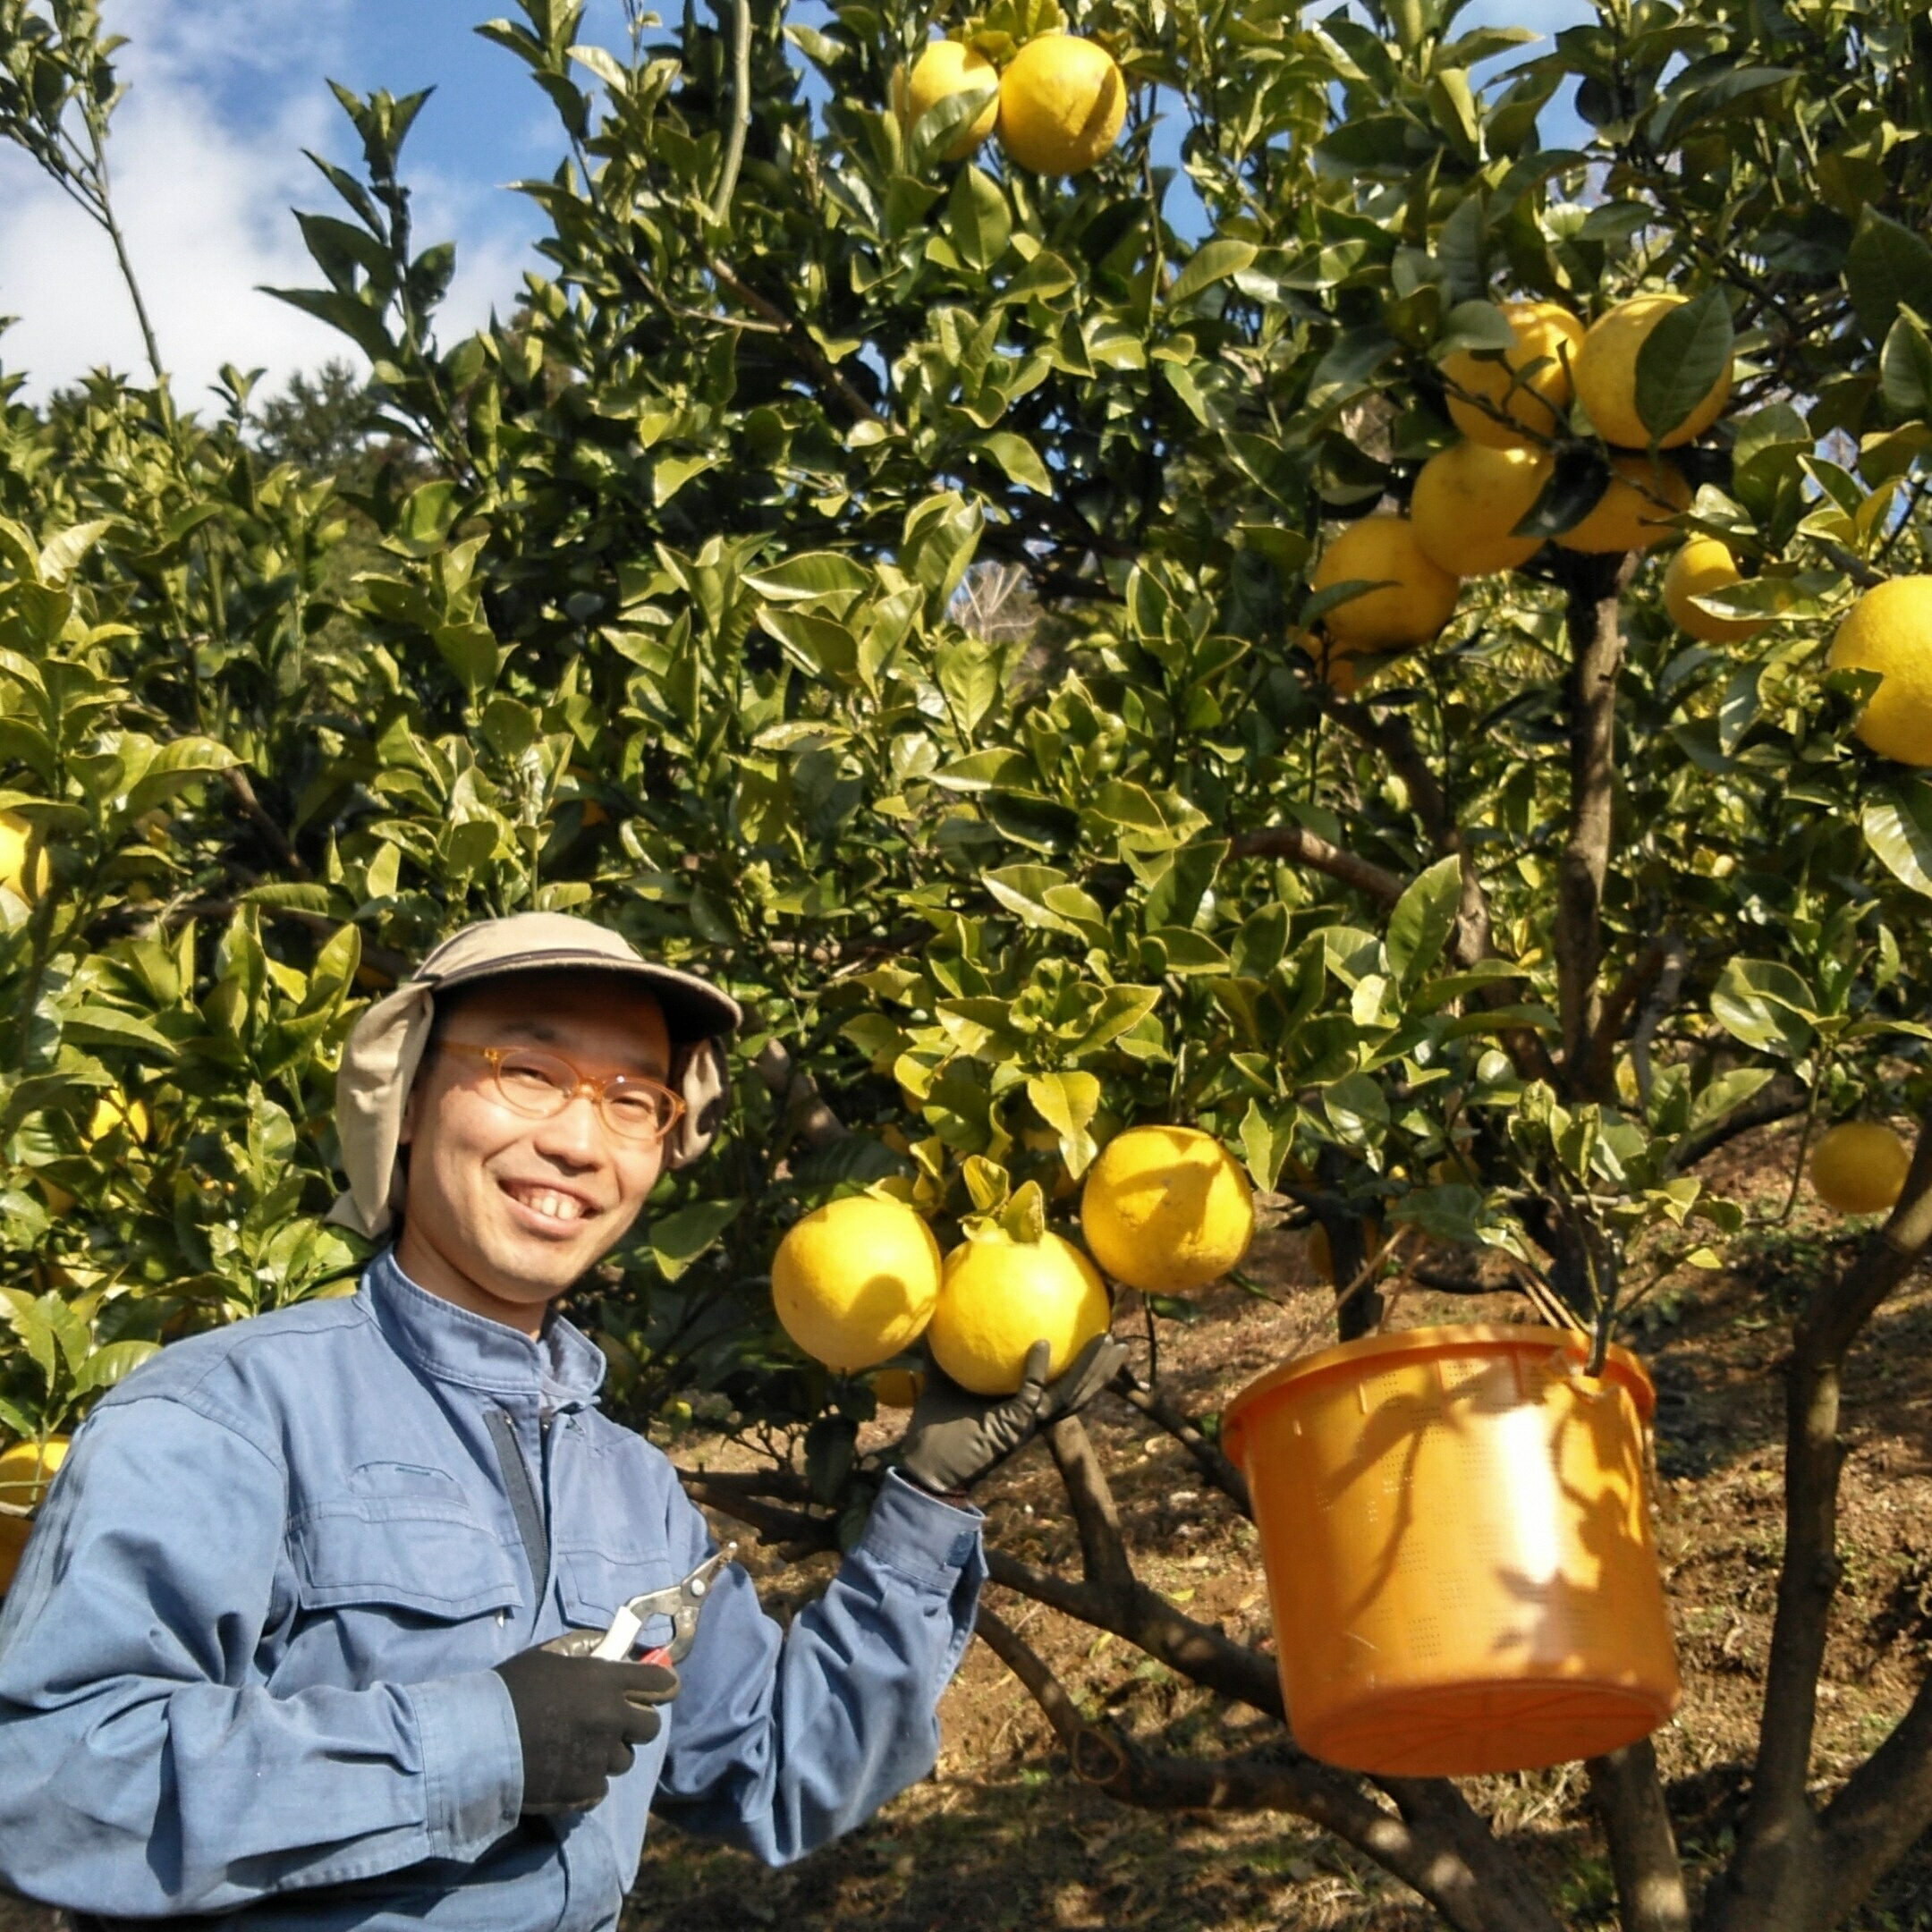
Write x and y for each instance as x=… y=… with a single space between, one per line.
x=681 y=1602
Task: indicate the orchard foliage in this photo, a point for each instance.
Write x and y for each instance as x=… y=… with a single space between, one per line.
x=655 y=603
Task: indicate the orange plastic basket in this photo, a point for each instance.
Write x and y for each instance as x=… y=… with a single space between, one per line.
x=1455 y=1528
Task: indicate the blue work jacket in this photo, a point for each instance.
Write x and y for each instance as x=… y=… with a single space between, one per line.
x=245 y=1668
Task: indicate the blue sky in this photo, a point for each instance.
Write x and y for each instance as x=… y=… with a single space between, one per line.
x=223 y=95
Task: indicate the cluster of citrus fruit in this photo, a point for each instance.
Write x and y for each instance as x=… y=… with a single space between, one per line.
x=1165 y=1209
x=1859 y=1167
x=1058 y=104
x=1469 y=498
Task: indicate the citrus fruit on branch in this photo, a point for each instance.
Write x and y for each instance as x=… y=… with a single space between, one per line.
x=1606 y=375
x=1062 y=101
x=1529 y=385
x=947 y=68
x=1889 y=631
x=1634 y=511
x=856 y=1280
x=1000 y=1296
x=1704 y=565
x=1469 y=500
x=1415 y=596
x=1167 y=1209
x=1859 y=1167
x=25 y=881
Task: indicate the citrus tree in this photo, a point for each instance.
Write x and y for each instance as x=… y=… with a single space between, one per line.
x=1356 y=782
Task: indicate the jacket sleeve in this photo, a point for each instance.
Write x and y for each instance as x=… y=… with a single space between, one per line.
x=146 y=1773
x=782 y=1740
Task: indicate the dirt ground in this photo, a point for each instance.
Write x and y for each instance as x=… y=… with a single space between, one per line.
x=1002 y=1836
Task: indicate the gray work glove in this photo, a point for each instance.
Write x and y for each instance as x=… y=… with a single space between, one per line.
x=955 y=1437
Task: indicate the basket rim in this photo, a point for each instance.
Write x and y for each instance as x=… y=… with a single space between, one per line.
x=1620 y=1366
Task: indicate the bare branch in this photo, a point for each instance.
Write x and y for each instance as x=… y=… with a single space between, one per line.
x=1596 y=588
x=1780 y=1849
x=1884 y=1808
x=795 y=339
x=740 y=122
x=1103 y=1548
x=1209 y=1458
x=1643 y=1847
x=798 y=1095
x=1777 y=1099
x=244 y=791
x=1301 y=847
x=1277 y=1779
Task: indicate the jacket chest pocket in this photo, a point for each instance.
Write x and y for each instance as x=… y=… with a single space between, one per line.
x=592 y=1583
x=428 y=1557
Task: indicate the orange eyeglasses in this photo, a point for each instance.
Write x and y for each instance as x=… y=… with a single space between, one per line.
x=540 y=1085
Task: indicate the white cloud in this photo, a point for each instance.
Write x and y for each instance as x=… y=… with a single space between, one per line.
x=204 y=203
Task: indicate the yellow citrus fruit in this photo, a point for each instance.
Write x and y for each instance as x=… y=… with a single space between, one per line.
x=1167 y=1209
x=1889 y=631
x=16 y=876
x=1606 y=375
x=1062 y=101
x=1467 y=502
x=855 y=1281
x=1417 y=599
x=1000 y=1296
x=897 y=1388
x=25 y=1470
x=1704 y=565
x=1628 y=515
x=947 y=68
x=1859 y=1167
x=1321 y=1250
x=1544 y=333
x=113 y=1110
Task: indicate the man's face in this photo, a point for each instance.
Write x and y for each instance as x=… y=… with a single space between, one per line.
x=505 y=1212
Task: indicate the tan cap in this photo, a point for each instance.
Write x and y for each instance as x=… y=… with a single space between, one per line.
x=385 y=1049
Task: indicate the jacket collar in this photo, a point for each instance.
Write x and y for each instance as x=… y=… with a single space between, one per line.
x=564 y=1369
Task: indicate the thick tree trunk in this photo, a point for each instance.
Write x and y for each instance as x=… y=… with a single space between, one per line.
x=1643 y=1846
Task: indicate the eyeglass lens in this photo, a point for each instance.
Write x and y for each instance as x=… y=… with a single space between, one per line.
x=540 y=1085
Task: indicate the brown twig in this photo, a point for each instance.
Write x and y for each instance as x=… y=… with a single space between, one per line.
x=1103 y=1548
x=798 y=1096
x=1596 y=588
x=1209 y=1458
x=1301 y=847
x=794 y=337
x=244 y=791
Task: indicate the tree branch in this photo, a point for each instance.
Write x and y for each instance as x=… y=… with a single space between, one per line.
x=798 y=1096
x=1214 y=1465
x=740 y=122
x=1777 y=1099
x=244 y=791
x=1277 y=1779
x=794 y=337
x=1781 y=1856
x=1103 y=1549
x=1596 y=588
x=1301 y=847
x=1643 y=1847
x=1885 y=1806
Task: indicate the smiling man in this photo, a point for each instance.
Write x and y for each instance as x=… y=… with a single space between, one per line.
x=277 y=1654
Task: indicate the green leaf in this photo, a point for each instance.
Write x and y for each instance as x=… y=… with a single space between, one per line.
x=1765 y=1004
x=677 y=1239
x=1212 y=263
x=1266 y=1140
x=1423 y=918
x=1681 y=360
x=95 y=1025
x=1357 y=1110
x=1887 y=265
x=1022 y=890
x=978 y=221
x=106 y=1366
x=1898 y=828
x=1906 y=367
x=174 y=767
x=1018 y=459
x=814 y=574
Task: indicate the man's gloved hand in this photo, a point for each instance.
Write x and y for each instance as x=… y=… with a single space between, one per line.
x=955 y=1437
x=578 y=1719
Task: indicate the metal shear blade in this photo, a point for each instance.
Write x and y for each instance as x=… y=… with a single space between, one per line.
x=681 y=1602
